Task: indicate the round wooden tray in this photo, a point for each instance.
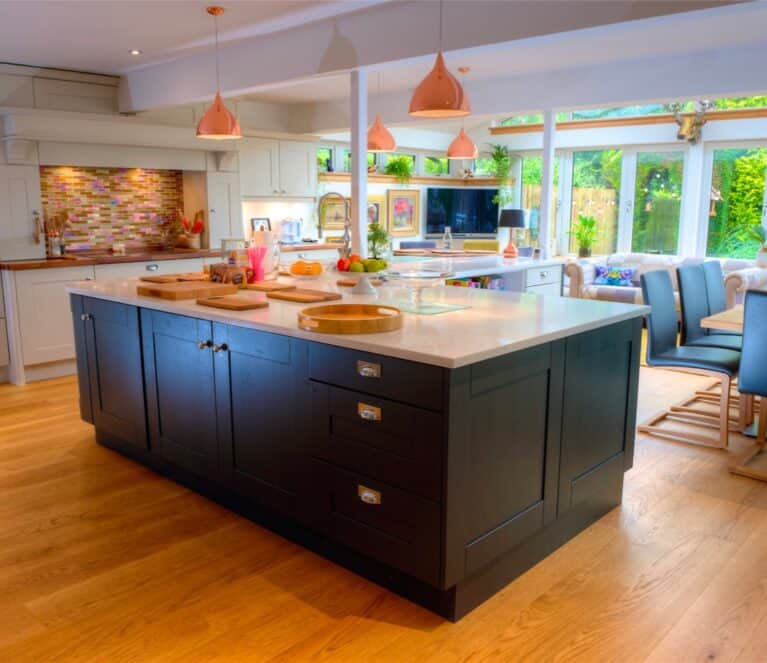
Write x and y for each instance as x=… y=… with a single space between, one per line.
x=350 y=319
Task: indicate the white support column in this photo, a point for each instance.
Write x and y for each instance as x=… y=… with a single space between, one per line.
x=693 y=214
x=547 y=183
x=359 y=167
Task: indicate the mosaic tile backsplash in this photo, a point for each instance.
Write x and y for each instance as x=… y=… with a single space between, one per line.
x=107 y=205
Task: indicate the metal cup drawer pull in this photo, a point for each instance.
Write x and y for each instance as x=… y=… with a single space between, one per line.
x=368 y=495
x=543 y=275
x=369 y=412
x=367 y=369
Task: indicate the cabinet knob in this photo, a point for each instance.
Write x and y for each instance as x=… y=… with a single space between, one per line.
x=85 y=317
x=152 y=268
x=220 y=348
x=544 y=275
x=275 y=191
x=204 y=344
x=368 y=495
x=283 y=191
x=212 y=211
x=369 y=412
x=368 y=369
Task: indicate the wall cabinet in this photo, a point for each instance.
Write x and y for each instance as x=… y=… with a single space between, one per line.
x=270 y=168
x=21 y=232
x=224 y=208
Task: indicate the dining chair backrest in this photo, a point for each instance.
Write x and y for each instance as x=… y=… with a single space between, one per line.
x=717 y=297
x=693 y=300
x=658 y=293
x=752 y=378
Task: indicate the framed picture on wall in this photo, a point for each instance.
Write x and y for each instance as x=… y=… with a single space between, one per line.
x=377 y=210
x=332 y=215
x=404 y=216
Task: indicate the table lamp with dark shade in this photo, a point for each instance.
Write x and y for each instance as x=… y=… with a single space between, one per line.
x=511 y=218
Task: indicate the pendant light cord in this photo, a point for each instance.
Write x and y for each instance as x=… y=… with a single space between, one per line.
x=440 y=26
x=215 y=30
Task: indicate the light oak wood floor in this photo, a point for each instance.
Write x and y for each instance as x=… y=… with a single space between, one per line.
x=102 y=560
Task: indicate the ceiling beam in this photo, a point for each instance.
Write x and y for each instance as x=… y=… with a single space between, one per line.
x=375 y=35
x=710 y=74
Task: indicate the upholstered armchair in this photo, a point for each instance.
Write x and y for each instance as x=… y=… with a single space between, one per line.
x=738 y=282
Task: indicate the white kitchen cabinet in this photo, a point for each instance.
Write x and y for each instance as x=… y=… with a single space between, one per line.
x=44 y=319
x=224 y=208
x=259 y=167
x=298 y=169
x=128 y=270
x=277 y=168
x=21 y=232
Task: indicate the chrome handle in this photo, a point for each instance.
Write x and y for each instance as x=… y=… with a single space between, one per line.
x=38 y=227
x=85 y=317
x=367 y=369
x=368 y=495
x=212 y=211
x=543 y=275
x=152 y=268
x=275 y=191
x=220 y=348
x=204 y=344
x=368 y=412
x=283 y=191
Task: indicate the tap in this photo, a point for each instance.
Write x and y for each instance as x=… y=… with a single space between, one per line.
x=346 y=239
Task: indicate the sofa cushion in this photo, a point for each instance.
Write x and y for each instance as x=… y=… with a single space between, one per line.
x=614 y=275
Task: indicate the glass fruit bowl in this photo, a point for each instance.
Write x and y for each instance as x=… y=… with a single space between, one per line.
x=415 y=282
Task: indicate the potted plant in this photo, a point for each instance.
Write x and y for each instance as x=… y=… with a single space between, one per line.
x=760 y=234
x=400 y=167
x=501 y=163
x=585 y=232
x=378 y=241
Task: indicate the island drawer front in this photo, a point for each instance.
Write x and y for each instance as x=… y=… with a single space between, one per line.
x=402 y=447
x=543 y=275
x=393 y=526
x=396 y=379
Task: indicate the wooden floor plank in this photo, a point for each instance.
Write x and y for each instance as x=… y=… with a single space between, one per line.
x=102 y=560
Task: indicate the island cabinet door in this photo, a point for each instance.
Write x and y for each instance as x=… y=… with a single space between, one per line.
x=180 y=387
x=599 y=415
x=109 y=334
x=502 y=457
x=260 y=396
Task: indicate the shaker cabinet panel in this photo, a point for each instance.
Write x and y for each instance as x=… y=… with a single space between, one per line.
x=21 y=233
x=298 y=169
x=259 y=167
x=179 y=376
x=224 y=208
x=44 y=313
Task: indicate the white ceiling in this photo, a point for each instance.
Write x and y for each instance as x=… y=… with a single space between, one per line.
x=670 y=35
x=96 y=35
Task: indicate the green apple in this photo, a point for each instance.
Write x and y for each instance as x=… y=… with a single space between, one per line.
x=356 y=267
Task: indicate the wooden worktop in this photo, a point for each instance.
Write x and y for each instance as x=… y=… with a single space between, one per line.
x=106 y=259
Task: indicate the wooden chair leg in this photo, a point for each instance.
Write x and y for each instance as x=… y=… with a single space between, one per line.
x=753 y=464
x=724 y=412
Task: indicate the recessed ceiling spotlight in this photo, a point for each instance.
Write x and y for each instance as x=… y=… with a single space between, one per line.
x=134 y=51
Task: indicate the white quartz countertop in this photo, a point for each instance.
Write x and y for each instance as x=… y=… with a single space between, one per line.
x=495 y=324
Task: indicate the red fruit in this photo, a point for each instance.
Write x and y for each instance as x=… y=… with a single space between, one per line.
x=354 y=258
x=343 y=264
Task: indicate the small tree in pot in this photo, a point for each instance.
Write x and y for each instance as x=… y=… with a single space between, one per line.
x=585 y=233
x=760 y=233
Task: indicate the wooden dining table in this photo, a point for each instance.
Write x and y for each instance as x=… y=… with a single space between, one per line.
x=754 y=463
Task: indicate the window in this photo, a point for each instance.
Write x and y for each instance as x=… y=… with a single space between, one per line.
x=484 y=167
x=436 y=166
x=737 y=197
x=532 y=176
x=595 y=193
x=324 y=159
x=400 y=154
x=657 y=202
x=372 y=160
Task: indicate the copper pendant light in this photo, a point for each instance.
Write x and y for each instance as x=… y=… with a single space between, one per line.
x=379 y=137
x=462 y=146
x=218 y=122
x=439 y=94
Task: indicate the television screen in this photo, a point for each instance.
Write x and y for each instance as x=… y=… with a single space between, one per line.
x=466 y=211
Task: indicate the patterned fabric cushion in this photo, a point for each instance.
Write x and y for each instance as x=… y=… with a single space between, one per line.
x=614 y=275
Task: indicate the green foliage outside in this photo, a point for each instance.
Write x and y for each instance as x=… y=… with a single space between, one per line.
x=738 y=178
x=657 y=202
x=372 y=160
x=500 y=167
x=324 y=156
x=436 y=165
x=532 y=170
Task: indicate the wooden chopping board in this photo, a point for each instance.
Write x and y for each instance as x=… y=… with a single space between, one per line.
x=186 y=290
x=269 y=286
x=304 y=296
x=174 y=278
x=233 y=303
